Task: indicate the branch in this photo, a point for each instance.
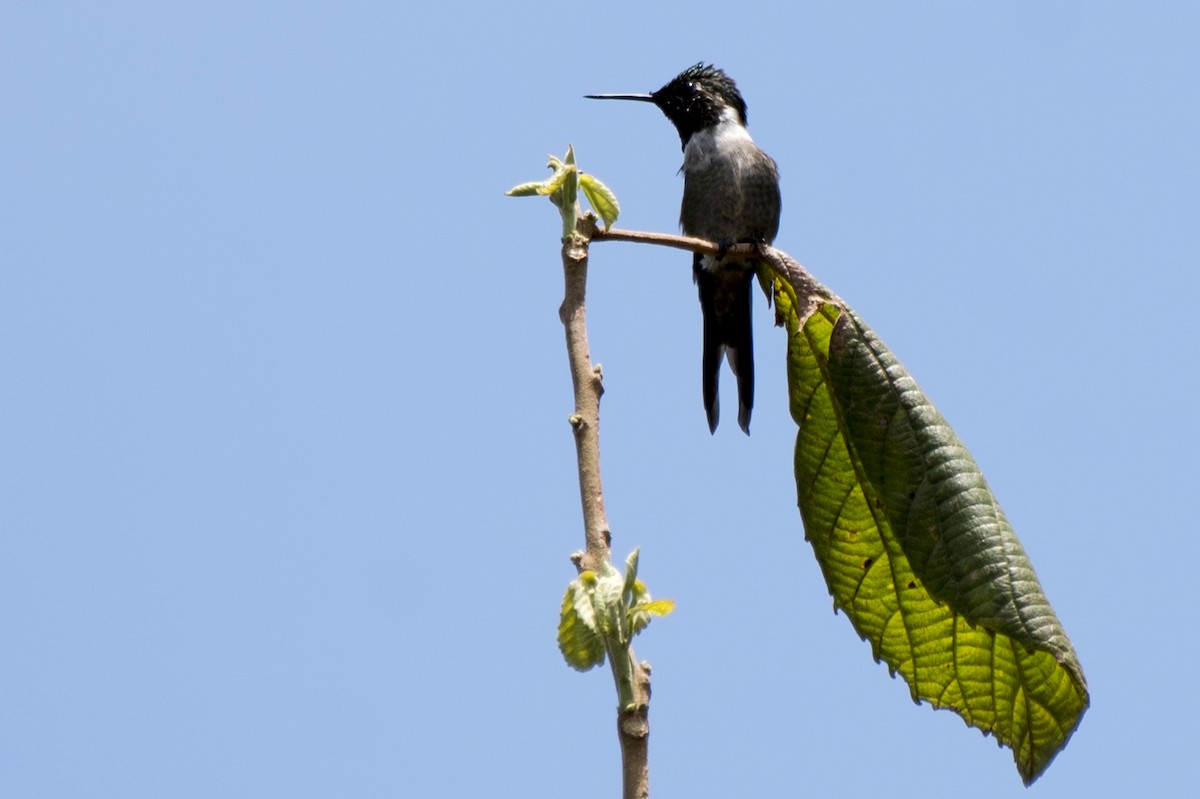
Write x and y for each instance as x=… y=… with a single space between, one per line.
x=808 y=291
x=587 y=381
x=689 y=243
x=633 y=725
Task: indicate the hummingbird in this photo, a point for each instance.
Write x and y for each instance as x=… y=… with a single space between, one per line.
x=730 y=195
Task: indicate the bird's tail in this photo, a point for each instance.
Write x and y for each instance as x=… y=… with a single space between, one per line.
x=725 y=303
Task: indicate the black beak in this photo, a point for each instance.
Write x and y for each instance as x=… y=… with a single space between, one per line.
x=645 y=98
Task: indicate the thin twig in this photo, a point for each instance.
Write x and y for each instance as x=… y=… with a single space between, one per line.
x=633 y=725
x=585 y=421
x=807 y=289
x=689 y=243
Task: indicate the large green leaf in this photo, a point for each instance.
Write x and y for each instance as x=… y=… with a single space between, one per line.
x=912 y=542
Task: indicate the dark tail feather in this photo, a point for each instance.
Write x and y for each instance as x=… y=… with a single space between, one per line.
x=714 y=353
x=740 y=348
x=725 y=304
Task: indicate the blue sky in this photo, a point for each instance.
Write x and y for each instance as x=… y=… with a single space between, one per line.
x=287 y=484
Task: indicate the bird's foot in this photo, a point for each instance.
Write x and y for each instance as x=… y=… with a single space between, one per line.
x=723 y=246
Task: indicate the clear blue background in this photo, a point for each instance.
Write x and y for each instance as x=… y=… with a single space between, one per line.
x=286 y=484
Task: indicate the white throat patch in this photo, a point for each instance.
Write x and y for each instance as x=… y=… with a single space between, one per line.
x=703 y=145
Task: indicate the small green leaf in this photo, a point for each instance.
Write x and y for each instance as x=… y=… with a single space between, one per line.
x=566 y=195
x=608 y=602
x=579 y=636
x=659 y=607
x=555 y=182
x=643 y=612
x=601 y=198
x=631 y=567
x=530 y=189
